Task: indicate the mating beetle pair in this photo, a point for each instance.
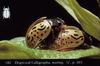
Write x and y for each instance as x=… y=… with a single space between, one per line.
x=53 y=34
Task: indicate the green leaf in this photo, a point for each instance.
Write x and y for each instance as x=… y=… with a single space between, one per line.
x=89 y=22
x=66 y=5
x=75 y=54
x=19 y=40
x=9 y=50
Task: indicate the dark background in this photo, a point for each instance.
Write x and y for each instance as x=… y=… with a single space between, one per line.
x=23 y=12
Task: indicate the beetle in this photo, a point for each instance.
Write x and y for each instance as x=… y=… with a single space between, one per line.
x=39 y=30
x=53 y=33
x=6 y=13
x=69 y=38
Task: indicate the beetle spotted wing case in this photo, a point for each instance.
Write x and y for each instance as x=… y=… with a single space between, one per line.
x=37 y=32
x=69 y=38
